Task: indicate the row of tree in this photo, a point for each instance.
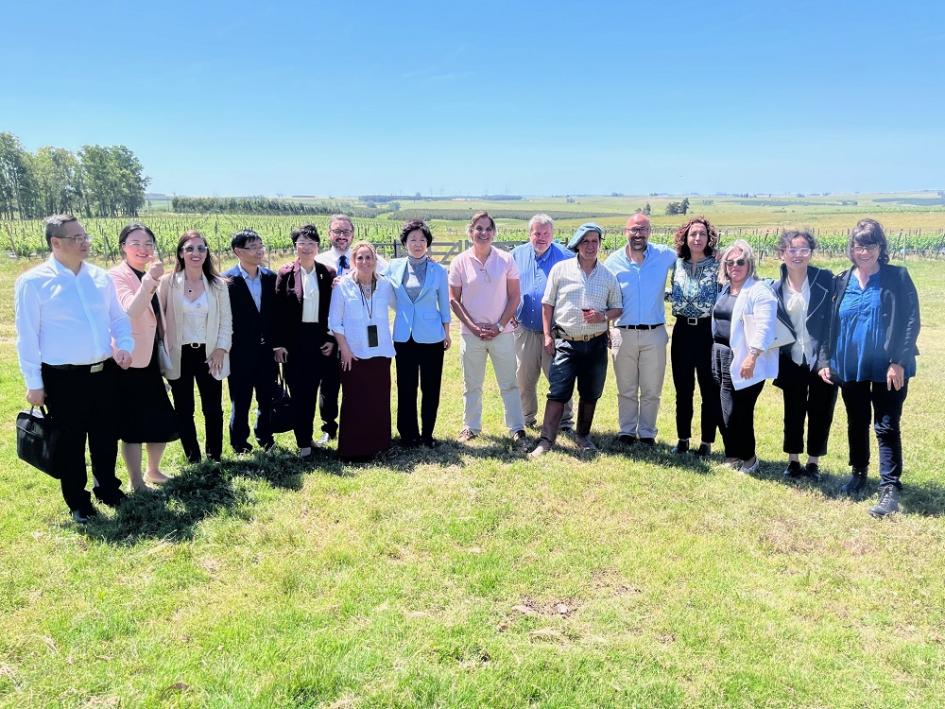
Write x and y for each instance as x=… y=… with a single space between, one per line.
x=99 y=181
x=264 y=205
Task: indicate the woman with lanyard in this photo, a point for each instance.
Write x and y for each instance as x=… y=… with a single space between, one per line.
x=694 y=290
x=358 y=319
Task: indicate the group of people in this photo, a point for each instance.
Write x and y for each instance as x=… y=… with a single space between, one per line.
x=84 y=335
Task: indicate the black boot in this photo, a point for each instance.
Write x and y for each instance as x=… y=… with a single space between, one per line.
x=584 y=420
x=888 y=501
x=856 y=484
x=554 y=410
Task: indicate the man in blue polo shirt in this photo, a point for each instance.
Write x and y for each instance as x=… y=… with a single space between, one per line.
x=535 y=260
x=638 y=340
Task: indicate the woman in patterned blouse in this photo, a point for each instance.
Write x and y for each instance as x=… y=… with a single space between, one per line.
x=695 y=288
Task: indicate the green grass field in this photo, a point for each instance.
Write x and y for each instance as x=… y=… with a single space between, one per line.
x=472 y=577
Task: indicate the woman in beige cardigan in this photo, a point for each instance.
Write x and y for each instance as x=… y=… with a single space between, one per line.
x=196 y=306
x=146 y=416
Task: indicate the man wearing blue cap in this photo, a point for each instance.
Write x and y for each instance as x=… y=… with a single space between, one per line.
x=638 y=342
x=581 y=297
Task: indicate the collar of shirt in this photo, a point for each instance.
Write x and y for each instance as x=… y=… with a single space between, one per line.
x=246 y=275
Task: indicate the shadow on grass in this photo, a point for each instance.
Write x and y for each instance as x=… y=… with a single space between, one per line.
x=173 y=511
x=926 y=497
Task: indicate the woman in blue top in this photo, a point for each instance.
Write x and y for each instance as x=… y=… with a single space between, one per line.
x=421 y=333
x=871 y=353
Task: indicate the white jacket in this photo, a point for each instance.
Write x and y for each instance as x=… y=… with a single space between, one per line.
x=756 y=298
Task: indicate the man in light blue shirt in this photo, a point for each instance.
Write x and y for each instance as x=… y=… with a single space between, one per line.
x=638 y=340
x=535 y=261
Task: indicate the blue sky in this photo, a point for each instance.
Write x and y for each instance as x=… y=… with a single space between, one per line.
x=525 y=98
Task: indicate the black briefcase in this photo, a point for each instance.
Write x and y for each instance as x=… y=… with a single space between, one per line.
x=280 y=410
x=36 y=438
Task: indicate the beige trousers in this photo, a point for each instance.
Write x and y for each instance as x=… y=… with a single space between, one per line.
x=532 y=361
x=473 y=353
x=639 y=358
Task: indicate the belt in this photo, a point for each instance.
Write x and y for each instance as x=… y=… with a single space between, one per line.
x=639 y=327
x=683 y=320
x=582 y=338
x=90 y=368
x=194 y=345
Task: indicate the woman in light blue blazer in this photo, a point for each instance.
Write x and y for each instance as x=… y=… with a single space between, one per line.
x=421 y=333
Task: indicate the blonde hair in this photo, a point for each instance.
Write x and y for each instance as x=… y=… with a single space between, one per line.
x=747 y=253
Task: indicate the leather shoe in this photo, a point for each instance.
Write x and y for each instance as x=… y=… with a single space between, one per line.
x=648 y=441
x=704 y=451
x=627 y=440
x=682 y=446
x=84 y=514
x=113 y=500
x=812 y=471
x=793 y=469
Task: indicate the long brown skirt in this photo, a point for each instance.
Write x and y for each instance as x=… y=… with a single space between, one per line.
x=364 y=428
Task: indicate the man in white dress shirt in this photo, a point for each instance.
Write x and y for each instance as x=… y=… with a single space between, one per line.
x=67 y=317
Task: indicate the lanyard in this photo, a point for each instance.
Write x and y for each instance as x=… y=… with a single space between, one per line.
x=367 y=303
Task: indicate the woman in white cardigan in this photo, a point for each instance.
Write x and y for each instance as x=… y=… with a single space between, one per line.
x=741 y=358
x=195 y=302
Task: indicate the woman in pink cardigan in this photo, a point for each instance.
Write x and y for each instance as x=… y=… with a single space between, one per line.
x=146 y=413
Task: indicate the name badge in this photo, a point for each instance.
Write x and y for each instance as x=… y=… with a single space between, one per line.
x=372 y=335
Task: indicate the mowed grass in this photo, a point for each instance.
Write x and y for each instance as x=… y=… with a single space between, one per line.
x=472 y=577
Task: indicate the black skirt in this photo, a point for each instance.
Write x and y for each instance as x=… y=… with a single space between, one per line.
x=146 y=412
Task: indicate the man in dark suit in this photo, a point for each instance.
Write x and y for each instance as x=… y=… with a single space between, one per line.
x=252 y=363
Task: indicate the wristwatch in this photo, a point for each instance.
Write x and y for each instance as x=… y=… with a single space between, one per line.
x=755 y=351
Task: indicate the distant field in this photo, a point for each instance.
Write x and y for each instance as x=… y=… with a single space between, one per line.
x=918 y=229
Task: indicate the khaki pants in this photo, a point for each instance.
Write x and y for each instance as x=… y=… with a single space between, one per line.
x=639 y=358
x=531 y=361
x=473 y=352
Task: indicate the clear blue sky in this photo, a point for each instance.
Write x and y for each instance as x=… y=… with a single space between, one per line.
x=347 y=98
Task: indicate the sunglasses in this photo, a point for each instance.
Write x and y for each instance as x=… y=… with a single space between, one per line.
x=200 y=249
x=736 y=261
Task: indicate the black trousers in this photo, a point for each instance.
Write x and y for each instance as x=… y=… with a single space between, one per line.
x=194 y=368
x=808 y=396
x=305 y=370
x=260 y=377
x=738 y=407
x=858 y=397
x=420 y=365
x=84 y=406
x=691 y=358
x=328 y=396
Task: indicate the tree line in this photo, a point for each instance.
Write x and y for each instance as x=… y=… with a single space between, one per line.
x=265 y=205
x=97 y=181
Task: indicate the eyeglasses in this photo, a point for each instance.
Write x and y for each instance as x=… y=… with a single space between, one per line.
x=736 y=261
x=341 y=232
x=798 y=252
x=865 y=248
x=148 y=246
x=305 y=243
x=257 y=246
x=79 y=238
x=637 y=230
x=200 y=249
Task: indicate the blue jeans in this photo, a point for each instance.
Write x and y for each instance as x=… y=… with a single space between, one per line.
x=584 y=362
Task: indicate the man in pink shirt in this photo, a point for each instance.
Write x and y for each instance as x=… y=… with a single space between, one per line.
x=484 y=293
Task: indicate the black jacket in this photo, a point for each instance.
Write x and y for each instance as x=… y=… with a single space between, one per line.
x=288 y=304
x=899 y=312
x=820 y=281
x=252 y=328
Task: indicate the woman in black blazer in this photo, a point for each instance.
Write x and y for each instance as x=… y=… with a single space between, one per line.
x=870 y=352
x=804 y=306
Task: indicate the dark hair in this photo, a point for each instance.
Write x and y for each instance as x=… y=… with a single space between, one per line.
x=784 y=241
x=209 y=269
x=415 y=225
x=682 y=235
x=53 y=226
x=243 y=237
x=476 y=217
x=865 y=233
x=309 y=231
x=134 y=226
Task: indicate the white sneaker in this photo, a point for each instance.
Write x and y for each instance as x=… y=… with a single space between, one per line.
x=322 y=441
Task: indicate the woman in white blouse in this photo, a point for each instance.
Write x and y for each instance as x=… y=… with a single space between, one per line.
x=803 y=293
x=359 y=321
x=196 y=306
